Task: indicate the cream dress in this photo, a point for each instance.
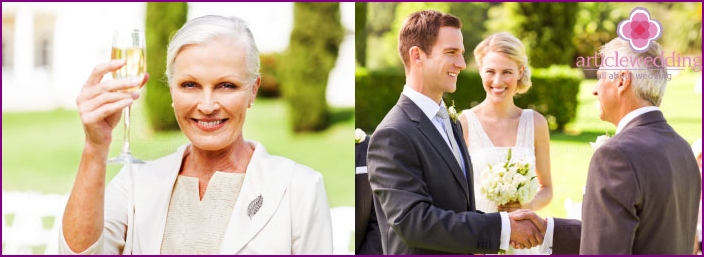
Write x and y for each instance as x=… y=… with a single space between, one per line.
x=195 y=226
x=483 y=153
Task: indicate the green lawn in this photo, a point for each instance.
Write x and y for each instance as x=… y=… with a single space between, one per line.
x=41 y=150
x=570 y=152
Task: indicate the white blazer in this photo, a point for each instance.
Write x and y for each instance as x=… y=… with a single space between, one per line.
x=294 y=217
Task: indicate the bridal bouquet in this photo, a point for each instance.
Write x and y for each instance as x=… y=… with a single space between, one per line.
x=509 y=181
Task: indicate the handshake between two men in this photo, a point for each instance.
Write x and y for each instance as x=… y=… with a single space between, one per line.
x=527 y=229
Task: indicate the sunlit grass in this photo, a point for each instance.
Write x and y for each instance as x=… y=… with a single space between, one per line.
x=41 y=150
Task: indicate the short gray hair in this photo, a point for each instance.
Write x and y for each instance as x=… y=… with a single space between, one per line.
x=648 y=82
x=203 y=29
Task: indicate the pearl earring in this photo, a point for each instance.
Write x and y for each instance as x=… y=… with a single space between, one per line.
x=172 y=105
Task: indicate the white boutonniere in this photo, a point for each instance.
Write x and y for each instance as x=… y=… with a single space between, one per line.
x=452 y=112
x=600 y=140
x=359 y=136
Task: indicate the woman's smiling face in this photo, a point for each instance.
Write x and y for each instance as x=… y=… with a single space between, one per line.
x=212 y=91
x=500 y=76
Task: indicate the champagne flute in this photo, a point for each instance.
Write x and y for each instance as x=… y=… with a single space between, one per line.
x=128 y=44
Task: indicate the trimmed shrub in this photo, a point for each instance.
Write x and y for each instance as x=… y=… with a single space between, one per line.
x=375 y=93
x=315 y=41
x=162 y=21
x=553 y=94
x=269 y=87
x=360 y=34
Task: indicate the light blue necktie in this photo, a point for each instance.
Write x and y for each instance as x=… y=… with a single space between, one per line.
x=443 y=115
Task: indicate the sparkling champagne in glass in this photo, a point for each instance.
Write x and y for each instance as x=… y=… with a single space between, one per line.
x=130 y=46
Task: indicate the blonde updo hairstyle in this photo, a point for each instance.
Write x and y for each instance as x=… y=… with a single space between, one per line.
x=510 y=47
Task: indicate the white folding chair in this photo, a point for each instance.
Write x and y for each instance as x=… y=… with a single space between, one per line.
x=342 y=229
x=574 y=209
x=27 y=229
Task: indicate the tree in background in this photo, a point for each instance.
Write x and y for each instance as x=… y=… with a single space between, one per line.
x=473 y=16
x=380 y=15
x=596 y=25
x=546 y=29
x=390 y=38
x=163 y=20
x=385 y=20
x=313 y=48
x=682 y=25
x=360 y=36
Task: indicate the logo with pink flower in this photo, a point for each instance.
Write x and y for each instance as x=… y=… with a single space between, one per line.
x=639 y=29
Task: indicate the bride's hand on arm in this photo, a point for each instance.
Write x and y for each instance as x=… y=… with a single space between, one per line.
x=99 y=106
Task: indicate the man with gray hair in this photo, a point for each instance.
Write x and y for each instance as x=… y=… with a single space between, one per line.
x=643 y=185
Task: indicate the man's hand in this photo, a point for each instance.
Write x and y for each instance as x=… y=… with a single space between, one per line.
x=527 y=229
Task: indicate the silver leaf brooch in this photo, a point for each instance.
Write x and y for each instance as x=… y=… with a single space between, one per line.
x=254 y=206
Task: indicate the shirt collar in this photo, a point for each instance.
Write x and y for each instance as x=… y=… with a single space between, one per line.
x=429 y=107
x=632 y=115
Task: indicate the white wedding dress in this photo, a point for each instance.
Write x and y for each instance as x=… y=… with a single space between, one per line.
x=483 y=153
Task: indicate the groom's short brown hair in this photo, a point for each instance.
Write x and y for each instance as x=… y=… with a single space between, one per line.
x=421 y=29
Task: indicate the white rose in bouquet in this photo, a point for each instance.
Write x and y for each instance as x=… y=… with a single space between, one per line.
x=509 y=181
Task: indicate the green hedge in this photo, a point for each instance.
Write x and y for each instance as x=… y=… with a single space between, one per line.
x=553 y=94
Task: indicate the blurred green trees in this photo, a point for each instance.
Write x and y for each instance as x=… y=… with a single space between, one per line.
x=390 y=37
x=360 y=32
x=313 y=48
x=546 y=30
x=473 y=16
x=269 y=86
x=162 y=21
x=554 y=35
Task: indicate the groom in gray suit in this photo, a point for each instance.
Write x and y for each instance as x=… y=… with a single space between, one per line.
x=419 y=168
x=643 y=186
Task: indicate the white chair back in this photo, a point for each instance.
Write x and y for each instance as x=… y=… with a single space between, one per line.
x=342 y=229
x=31 y=220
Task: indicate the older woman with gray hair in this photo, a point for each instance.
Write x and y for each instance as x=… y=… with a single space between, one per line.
x=218 y=194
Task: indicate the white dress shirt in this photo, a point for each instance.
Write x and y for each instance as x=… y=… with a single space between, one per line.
x=430 y=108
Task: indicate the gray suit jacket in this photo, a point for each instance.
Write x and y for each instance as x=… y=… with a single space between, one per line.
x=642 y=193
x=424 y=203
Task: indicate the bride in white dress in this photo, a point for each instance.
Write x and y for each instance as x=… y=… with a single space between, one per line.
x=497 y=124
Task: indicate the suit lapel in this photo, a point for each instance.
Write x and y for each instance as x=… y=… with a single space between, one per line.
x=457 y=131
x=426 y=127
x=266 y=181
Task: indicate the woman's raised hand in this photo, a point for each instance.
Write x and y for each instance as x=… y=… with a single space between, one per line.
x=100 y=103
